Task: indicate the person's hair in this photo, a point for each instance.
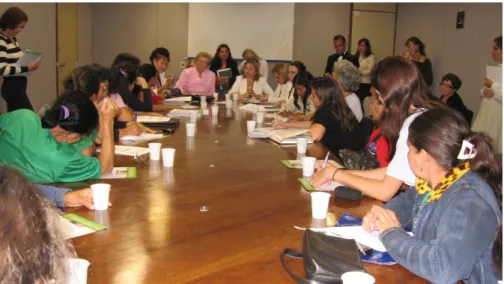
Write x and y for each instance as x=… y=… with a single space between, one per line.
x=82 y=115
x=348 y=75
x=332 y=97
x=441 y=131
x=249 y=53
x=303 y=78
x=299 y=65
x=400 y=85
x=454 y=79
x=189 y=62
x=123 y=58
x=84 y=79
x=147 y=71
x=257 y=68
x=157 y=53
x=122 y=76
x=12 y=17
x=417 y=41
x=366 y=42
x=216 y=61
x=33 y=249
x=338 y=37
x=498 y=42
x=282 y=70
x=497 y=253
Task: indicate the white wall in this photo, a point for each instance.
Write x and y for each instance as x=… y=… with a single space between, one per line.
x=464 y=52
x=84 y=34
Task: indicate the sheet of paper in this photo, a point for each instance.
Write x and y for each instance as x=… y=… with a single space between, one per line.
x=29 y=57
x=185 y=113
x=494 y=73
x=121 y=172
x=358 y=233
x=179 y=99
x=298 y=164
x=130 y=150
x=142 y=137
x=152 y=119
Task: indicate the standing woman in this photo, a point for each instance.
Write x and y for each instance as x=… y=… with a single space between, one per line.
x=415 y=52
x=15 y=79
x=224 y=60
x=250 y=54
x=366 y=64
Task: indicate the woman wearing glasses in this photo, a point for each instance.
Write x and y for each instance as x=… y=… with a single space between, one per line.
x=450 y=84
x=198 y=80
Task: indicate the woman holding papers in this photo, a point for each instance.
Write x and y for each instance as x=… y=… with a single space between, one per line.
x=281 y=94
x=41 y=149
x=14 y=76
x=225 y=68
x=401 y=88
x=452 y=207
x=252 y=84
x=333 y=123
x=489 y=118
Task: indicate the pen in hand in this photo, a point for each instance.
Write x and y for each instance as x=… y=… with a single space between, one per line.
x=326 y=158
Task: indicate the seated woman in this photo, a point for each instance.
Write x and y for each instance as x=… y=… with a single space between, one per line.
x=377 y=143
x=450 y=84
x=298 y=106
x=452 y=208
x=126 y=58
x=281 y=94
x=127 y=82
x=198 y=80
x=33 y=248
x=224 y=60
x=333 y=123
x=41 y=149
x=249 y=54
x=349 y=77
x=160 y=59
x=251 y=84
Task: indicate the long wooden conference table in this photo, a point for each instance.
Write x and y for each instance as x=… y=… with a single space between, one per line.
x=157 y=232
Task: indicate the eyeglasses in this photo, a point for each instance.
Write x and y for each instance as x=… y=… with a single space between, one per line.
x=446 y=85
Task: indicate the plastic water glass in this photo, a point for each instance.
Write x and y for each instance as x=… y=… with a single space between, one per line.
x=155 y=151
x=357 y=277
x=251 y=124
x=190 y=129
x=302 y=143
x=101 y=194
x=168 y=157
x=308 y=166
x=193 y=115
x=76 y=270
x=260 y=117
x=215 y=110
x=320 y=204
x=229 y=103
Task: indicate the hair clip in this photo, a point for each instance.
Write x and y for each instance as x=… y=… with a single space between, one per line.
x=66 y=112
x=123 y=72
x=468 y=148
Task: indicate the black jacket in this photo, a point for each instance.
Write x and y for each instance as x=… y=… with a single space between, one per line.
x=333 y=58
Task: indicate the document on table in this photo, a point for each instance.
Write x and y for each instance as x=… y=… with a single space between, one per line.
x=72 y=226
x=142 y=137
x=28 y=58
x=152 y=119
x=179 y=99
x=297 y=164
x=324 y=187
x=121 y=172
x=129 y=150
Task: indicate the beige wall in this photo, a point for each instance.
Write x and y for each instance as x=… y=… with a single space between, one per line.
x=464 y=52
x=84 y=34
x=39 y=35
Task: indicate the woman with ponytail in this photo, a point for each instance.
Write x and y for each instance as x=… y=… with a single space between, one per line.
x=42 y=149
x=452 y=208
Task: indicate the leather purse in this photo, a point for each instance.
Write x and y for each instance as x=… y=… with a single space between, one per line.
x=325 y=258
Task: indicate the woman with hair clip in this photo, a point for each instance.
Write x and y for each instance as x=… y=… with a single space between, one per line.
x=298 y=106
x=224 y=60
x=33 y=249
x=452 y=207
x=42 y=150
x=405 y=95
x=333 y=123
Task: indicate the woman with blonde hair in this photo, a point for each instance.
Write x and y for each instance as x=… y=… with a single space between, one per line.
x=281 y=94
x=250 y=54
x=251 y=84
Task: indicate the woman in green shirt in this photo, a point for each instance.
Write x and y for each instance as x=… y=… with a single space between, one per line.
x=41 y=149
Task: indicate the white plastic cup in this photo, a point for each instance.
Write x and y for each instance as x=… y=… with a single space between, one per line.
x=193 y=115
x=168 y=157
x=260 y=117
x=320 y=203
x=155 y=151
x=229 y=103
x=229 y=112
x=251 y=124
x=76 y=270
x=301 y=145
x=190 y=129
x=308 y=166
x=203 y=99
x=203 y=105
x=215 y=110
x=101 y=194
x=216 y=97
x=357 y=277
x=235 y=97
x=228 y=96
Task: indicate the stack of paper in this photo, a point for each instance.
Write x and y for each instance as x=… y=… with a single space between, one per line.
x=186 y=113
x=262 y=132
x=129 y=150
x=256 y=108
x=297 y=164
x=178 y=100
x=72 y=226
x=152 y=119
x=142 y=137
x=121 y=172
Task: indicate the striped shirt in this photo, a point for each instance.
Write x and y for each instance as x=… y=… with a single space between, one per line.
x=10 y=52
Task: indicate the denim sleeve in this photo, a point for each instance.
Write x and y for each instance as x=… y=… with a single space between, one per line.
x=464 y=231
x=402 y=205
x=54 y=194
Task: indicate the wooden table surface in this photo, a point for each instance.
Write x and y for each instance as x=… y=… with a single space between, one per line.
x=157 y=233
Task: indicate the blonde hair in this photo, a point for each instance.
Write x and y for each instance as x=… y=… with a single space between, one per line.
x=191 y=63
x=257 y=67
x=249 y=53
x=204 y=54
x=282 y=70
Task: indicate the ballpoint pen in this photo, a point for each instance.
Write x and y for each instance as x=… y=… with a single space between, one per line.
x=326 y=158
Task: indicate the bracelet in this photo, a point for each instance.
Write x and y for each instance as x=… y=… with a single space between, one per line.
x=337 y=169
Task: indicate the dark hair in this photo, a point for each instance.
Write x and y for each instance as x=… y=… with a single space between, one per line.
x=147 y=71
x=122 y=75
x=123 y=58
x=216 y=61
x=498 y=42
x=331 y=97
x=400 y=84
x=440 y=133
x=33 y=248
x=303 y=78
x=84 y=79
x=338 y=37
x=82 y=114
x=366 y=42
x=102 y=71
x=497 y=252
x=417 y=41
x=454 y=79
x=158 y=52
x=299 y=65
x=12 y=17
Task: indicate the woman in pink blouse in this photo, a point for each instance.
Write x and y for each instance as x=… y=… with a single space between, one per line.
x=198 y=80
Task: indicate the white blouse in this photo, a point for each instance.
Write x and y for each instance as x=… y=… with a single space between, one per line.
x=366 y=65
x=354 y=103
x=264 y=70
x=260 y=86
x=281 y=93
x=291 y=107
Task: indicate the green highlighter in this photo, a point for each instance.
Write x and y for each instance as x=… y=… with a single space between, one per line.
x=85 y=222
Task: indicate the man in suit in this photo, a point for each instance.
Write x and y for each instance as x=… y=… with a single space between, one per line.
x=342 y=53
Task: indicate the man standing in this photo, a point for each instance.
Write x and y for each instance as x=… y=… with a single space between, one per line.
x=342 y=53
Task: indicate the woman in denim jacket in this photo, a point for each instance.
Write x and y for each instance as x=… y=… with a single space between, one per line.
x=452 y=208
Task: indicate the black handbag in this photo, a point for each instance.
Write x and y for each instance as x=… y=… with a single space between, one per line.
x=364 y=159
x=325 y=258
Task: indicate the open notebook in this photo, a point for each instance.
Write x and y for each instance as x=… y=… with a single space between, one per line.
x=281 y=136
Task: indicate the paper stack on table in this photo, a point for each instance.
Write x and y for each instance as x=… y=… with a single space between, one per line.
x=72 y=226
x=120 y=172
x=152 y=119
x=185 y=113
x=178 y=100
x=142 y=137
x=129 y=150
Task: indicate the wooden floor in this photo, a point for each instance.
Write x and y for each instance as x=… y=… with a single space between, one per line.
x=157 y=233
